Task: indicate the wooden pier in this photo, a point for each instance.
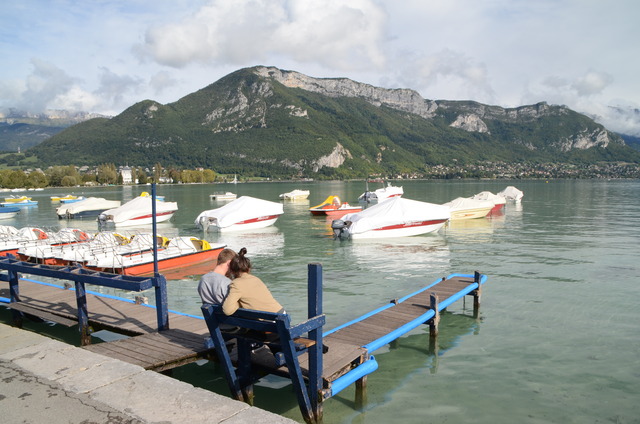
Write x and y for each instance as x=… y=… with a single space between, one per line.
x=325 y=363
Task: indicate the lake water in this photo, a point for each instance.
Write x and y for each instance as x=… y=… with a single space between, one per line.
x=558 y=339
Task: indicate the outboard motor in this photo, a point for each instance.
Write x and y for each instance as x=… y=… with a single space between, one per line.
x=340 y=228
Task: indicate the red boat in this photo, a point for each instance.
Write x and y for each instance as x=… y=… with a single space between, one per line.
x=180 y=252
x=334 y=208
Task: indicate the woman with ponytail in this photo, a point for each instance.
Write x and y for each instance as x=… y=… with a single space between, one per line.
x=246 y=290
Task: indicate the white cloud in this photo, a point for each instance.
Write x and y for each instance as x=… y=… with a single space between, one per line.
x=334 y=33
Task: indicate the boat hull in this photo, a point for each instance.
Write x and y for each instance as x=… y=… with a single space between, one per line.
x=147 y=267
x=470 y=213
x=249 y=224
x=406 y=229
x=333 y=213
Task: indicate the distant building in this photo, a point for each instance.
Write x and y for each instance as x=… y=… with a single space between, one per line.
x=127 y=175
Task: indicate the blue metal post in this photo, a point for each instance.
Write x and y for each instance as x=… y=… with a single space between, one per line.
x=315 y=352
x=83 y=314
x=14 y=291
x=154 y=229
x=162 y=302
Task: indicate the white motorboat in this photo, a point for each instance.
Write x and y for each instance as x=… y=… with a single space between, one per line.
x=395 y=217
x=466 y=208
x=499 y=202
x=295 y=195
x=244 y=213
x=381 y=194
x=89 y=207
x=137 y=211
x=512 y=193
x=223 y=195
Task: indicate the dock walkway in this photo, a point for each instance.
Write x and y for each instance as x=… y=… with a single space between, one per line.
x=187 y=338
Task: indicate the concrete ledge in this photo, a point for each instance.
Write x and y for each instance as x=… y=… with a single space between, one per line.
x=144 y=396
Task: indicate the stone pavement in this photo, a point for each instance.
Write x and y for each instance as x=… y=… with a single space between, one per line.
x=44 y=380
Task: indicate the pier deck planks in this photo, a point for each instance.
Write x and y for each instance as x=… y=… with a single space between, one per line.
x=184 y=342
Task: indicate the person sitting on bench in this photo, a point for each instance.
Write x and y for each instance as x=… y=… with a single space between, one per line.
x=246 y=290
x=214 y=285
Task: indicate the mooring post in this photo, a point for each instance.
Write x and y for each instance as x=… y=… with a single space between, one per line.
x=162 y=309
x=14 y=290
x=83 y=314
x=477 y=294
x=433 y=322
x=361 y=388
x=314 y=306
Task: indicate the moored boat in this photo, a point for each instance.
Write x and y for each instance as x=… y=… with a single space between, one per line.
x=7 y=212
x=466 y=208
x=333 y=207
x=223 y=195
x=295 y=195
x=179 y=252
x=89 y=207
x=381 y=194
x=65 y=197
x=244 y=213
x=499 y=202
x=33 y=236
x=19 y=201
x=137 y=211
x=395 y=217
x=16 y=199
x=512 y=193
x=77 y=199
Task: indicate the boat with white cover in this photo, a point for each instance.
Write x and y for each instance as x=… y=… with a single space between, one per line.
x=137 y=211
x=244 y=213
x=395 y=217
x=512 y=193
x=295 y=195
x=499 y=202
x=466 y=208
x=89 y=207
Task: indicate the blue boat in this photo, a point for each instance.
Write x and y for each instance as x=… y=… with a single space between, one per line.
x=7 y=212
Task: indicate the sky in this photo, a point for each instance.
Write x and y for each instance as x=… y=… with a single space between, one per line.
x=103 y=56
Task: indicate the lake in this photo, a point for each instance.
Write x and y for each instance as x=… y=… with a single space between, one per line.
x=558 y=339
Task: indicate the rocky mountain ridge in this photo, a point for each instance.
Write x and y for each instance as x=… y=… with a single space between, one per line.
x=267 y=121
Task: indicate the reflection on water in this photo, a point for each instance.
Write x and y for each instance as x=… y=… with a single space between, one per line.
x=401 y=256
x=262 y=242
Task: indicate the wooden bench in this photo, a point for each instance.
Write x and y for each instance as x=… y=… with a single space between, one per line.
x=286 y=343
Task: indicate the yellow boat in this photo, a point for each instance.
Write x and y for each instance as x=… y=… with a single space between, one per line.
x=66 y=197
x=16 y=199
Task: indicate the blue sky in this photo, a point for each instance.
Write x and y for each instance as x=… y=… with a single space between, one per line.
x=105 y=55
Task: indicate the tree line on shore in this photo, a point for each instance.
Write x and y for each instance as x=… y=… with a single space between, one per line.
x=105 y=174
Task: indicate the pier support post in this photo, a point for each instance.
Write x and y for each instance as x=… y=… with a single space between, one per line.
x=477 y=295
x=314 y=306
x=162 y=308
x=83 y=314
x=434 y=322
x=14 y=290
x=361 y=389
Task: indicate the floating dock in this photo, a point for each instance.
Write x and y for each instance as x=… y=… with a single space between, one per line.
x=161 y=340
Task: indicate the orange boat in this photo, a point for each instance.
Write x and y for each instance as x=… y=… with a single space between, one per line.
x=180 y=252
x=334 y=208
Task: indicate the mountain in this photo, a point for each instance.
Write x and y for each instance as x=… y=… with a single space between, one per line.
x=270 y=122
x=20 y=130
